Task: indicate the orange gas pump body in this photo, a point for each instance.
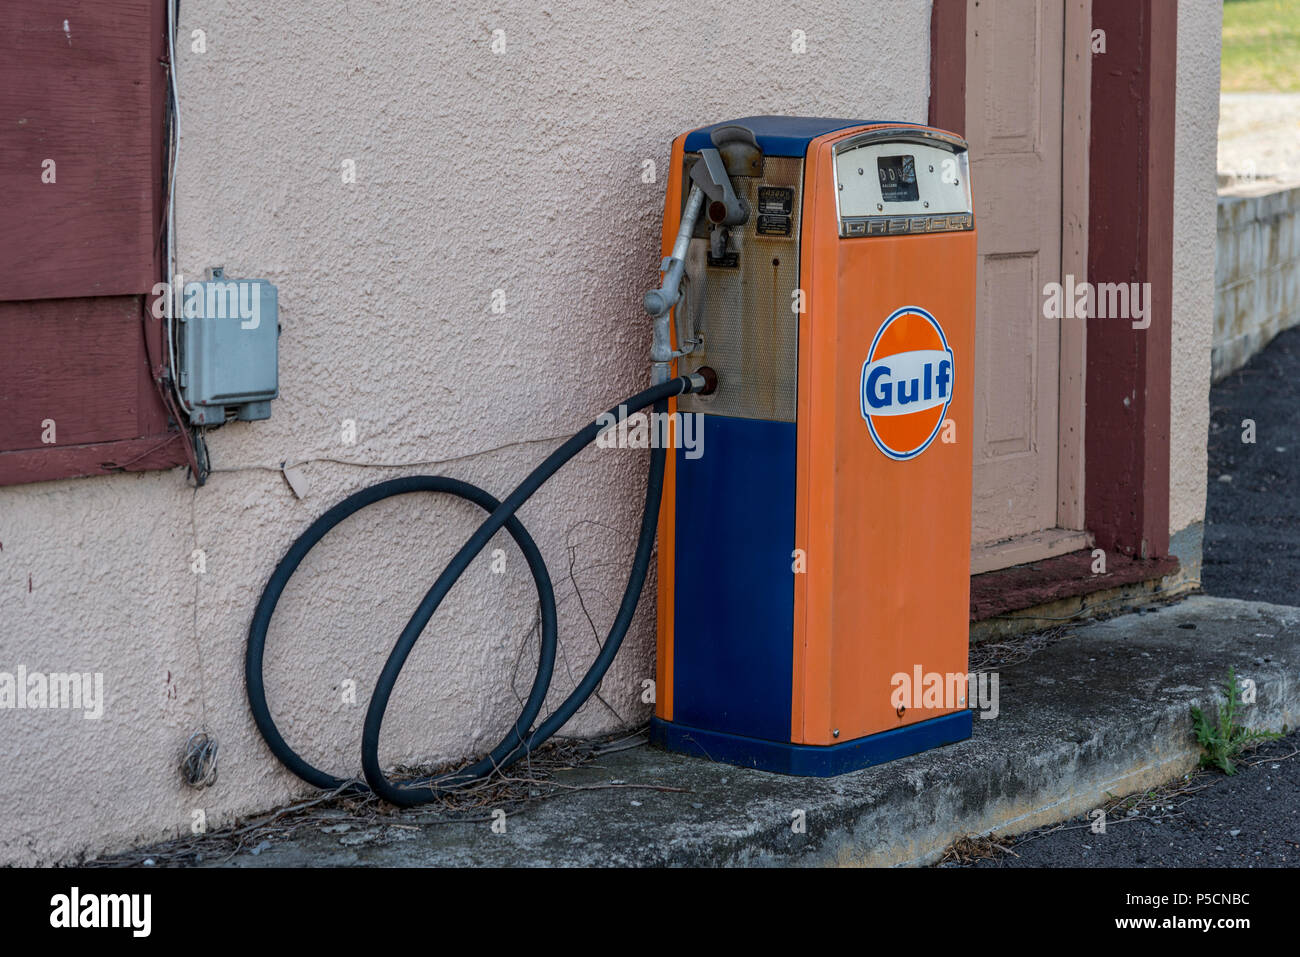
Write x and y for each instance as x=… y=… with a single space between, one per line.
x=873 y=656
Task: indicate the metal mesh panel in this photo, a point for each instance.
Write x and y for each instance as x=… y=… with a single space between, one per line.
x=744 y=312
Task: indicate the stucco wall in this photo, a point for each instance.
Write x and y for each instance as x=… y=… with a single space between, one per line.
x=1195 y=138
x=474 y=172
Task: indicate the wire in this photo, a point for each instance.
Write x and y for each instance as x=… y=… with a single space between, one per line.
x=424 y=463
x=173 y=297
x=161 y=368
x=199 y=762
x=519 y=740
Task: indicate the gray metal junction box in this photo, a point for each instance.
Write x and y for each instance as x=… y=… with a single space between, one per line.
x=229 y=349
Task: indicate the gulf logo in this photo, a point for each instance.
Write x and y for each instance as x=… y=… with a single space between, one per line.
x=907 y=383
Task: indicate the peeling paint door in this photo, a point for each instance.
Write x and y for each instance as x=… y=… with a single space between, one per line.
x=1014 y=89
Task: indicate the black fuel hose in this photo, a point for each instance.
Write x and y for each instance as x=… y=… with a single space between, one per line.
x=519 y=740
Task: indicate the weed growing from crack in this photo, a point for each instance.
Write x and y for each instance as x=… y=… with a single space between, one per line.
x=1223 y=739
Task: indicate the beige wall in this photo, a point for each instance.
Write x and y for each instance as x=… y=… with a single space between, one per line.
x=475 y=172
x=1195 y=139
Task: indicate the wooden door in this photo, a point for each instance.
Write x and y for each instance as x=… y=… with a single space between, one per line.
x=1014 y=108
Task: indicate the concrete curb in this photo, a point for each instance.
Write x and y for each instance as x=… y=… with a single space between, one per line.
x=1104 y=710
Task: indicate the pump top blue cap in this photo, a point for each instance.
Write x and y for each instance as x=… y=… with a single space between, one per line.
x=776 y=135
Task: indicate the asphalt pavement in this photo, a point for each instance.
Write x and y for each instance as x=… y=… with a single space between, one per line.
x=1251 y=819
x=1252 y=551
x=1252 y=514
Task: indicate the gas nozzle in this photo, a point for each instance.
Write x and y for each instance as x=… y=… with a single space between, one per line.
x=657 y=302
x=709 y=179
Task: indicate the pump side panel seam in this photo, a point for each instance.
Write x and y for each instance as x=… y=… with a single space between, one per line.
x=667 y=553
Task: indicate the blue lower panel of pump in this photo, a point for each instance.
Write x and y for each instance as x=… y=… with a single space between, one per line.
x=733 y=645
x=812 y=761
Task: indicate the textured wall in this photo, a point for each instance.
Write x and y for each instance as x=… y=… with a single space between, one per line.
x=1195 y=137
x=474 y=172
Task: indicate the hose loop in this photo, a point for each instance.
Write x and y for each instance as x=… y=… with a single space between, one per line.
x=522 y=737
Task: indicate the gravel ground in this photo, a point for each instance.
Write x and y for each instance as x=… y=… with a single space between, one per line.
x=1252 y=513
x=1251 y=819
x=1258 y=133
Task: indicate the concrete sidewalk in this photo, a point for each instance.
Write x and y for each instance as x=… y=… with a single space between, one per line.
x=1103 y=710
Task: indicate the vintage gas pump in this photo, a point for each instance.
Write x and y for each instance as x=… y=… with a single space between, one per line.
x=818 y=301
x=814 y=562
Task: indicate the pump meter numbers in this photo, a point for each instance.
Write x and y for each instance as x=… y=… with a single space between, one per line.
x=898 y=179
x=775 y=205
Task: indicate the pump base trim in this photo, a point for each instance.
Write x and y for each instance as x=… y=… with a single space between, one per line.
x=811 y=761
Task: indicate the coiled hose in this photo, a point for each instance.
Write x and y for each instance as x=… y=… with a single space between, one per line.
x=519 y=740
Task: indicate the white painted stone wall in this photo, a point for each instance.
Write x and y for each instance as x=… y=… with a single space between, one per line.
x=1257 y=270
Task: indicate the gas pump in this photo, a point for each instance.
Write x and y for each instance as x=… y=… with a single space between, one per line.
x=816 y=310
x=820 y=548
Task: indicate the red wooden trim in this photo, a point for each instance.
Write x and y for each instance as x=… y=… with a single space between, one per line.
x=107 y=397
x=75 y=361
x=104 y=458
x=1053 y=579
x=79 y=97
x=948 y=65
x=1130 y=239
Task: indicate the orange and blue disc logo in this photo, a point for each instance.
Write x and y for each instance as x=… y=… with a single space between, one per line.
x=907 y=383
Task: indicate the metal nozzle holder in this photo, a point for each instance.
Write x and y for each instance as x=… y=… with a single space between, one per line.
x=708 y=178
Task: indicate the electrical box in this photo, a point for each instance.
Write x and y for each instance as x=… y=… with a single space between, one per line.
x=814 y=560
x=229 y=349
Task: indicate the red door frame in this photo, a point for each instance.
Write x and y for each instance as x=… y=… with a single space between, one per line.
x=1130 y=239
